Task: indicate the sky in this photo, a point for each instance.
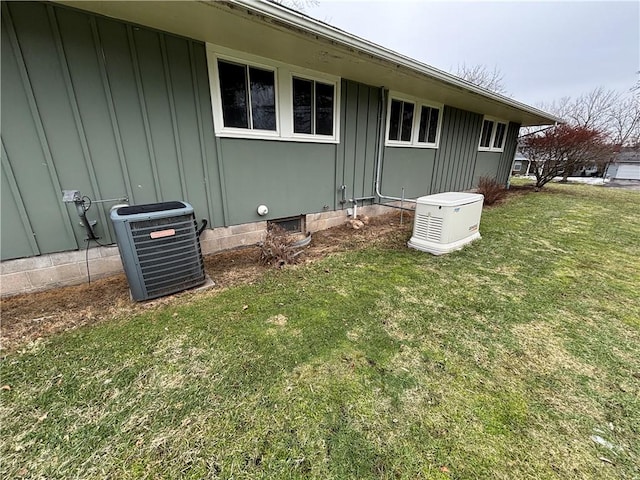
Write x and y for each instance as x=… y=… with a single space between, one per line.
x=545 y=50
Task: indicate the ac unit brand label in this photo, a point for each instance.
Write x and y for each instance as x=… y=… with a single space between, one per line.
x=163 y=233
x=473 y=228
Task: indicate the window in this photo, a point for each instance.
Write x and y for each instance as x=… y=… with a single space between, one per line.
x=428 y=124
x=255 y=97
x=493 y=135
x=248 y=96
x=401 y=120
x=498 y=140
x=412 y=123
x=312 y=107
x=517 y=166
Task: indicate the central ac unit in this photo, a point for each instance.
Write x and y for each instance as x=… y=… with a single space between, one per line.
x=445 y=222
x=159 y=247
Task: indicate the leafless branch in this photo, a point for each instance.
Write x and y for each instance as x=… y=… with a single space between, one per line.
x=482 y=76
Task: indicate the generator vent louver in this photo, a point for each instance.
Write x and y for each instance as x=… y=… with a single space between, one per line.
x=159 y=247
x=429 y=227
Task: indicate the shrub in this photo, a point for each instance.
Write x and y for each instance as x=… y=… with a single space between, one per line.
x=491 y=190
x=278 y=248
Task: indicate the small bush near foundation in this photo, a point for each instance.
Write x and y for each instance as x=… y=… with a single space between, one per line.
x=277 y=249
x=491 y=190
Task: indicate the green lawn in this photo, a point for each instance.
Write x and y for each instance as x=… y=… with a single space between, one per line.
x=505 y=360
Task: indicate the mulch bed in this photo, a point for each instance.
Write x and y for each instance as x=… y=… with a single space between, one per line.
x=27 y=317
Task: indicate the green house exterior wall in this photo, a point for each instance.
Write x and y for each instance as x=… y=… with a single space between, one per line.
x=457 y=151
x=456 y=164
x=293 y=178
x=103 y=107
x=498 y=164
x=358 y=149
x=116 y=110
x=289 y=178
x=407 y=168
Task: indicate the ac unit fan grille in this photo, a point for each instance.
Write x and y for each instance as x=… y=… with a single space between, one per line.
x=428 y=227
x=170 y=263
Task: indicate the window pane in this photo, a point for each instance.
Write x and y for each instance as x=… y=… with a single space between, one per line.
x=324 y=109
x=302 y=105
x=395 y=120
x=424 y=124
x=233 y=89
x=500 y=130
x=433 y=126
x=428 y=125
x=407 y=121
x=487 y=130
x=263 y=98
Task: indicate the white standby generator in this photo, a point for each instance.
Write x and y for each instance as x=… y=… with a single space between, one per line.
x=445 y=222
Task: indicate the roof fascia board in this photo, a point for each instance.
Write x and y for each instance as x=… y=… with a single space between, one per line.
x=315 y=27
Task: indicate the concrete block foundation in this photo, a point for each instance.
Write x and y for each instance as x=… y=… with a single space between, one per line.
x=33 y=274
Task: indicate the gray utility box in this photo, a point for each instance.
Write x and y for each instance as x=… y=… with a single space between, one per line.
x=159 y=248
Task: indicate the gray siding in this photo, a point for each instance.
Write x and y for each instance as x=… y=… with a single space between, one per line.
x=508 y=154
x=498 y=164
x=290 y=178
x=97 y=105
x=450 y=167
x=487 y=165
x=294 y=178
x=115 y=110
x=457 y=152
x=358 y=147
x=408 y=168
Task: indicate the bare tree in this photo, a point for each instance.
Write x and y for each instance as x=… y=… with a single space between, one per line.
x=483 y=77
x=636 y=86
x=616 y=115
x=624 y=121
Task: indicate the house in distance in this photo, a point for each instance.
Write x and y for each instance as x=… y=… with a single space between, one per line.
x=228 y=105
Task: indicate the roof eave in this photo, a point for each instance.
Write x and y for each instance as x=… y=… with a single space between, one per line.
x=316 y=27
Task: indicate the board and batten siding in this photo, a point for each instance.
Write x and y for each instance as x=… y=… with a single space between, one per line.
x=498 y=164
x=296 y=178
x=358 y=150
x=508 y=154
x=456 y=156
x=290 y=178
x=97 y=105
x=117 y=110
x=425 y=171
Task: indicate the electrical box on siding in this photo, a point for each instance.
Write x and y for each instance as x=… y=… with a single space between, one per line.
x=445 y=222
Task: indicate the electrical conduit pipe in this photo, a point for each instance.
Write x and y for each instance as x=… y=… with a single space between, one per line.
x=381 y=133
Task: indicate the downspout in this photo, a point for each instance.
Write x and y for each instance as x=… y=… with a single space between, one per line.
x=381 y=133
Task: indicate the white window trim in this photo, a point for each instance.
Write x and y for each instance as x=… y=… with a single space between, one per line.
x=284 y=74
x=327 y=80
x=495 y=121
x=415 y=127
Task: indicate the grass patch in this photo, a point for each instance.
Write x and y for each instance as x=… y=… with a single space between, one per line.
x=499 y=361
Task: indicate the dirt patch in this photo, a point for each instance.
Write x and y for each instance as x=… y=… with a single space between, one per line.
x=25 y=318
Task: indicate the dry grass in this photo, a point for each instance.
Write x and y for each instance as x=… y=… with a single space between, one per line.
x=376 y=362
